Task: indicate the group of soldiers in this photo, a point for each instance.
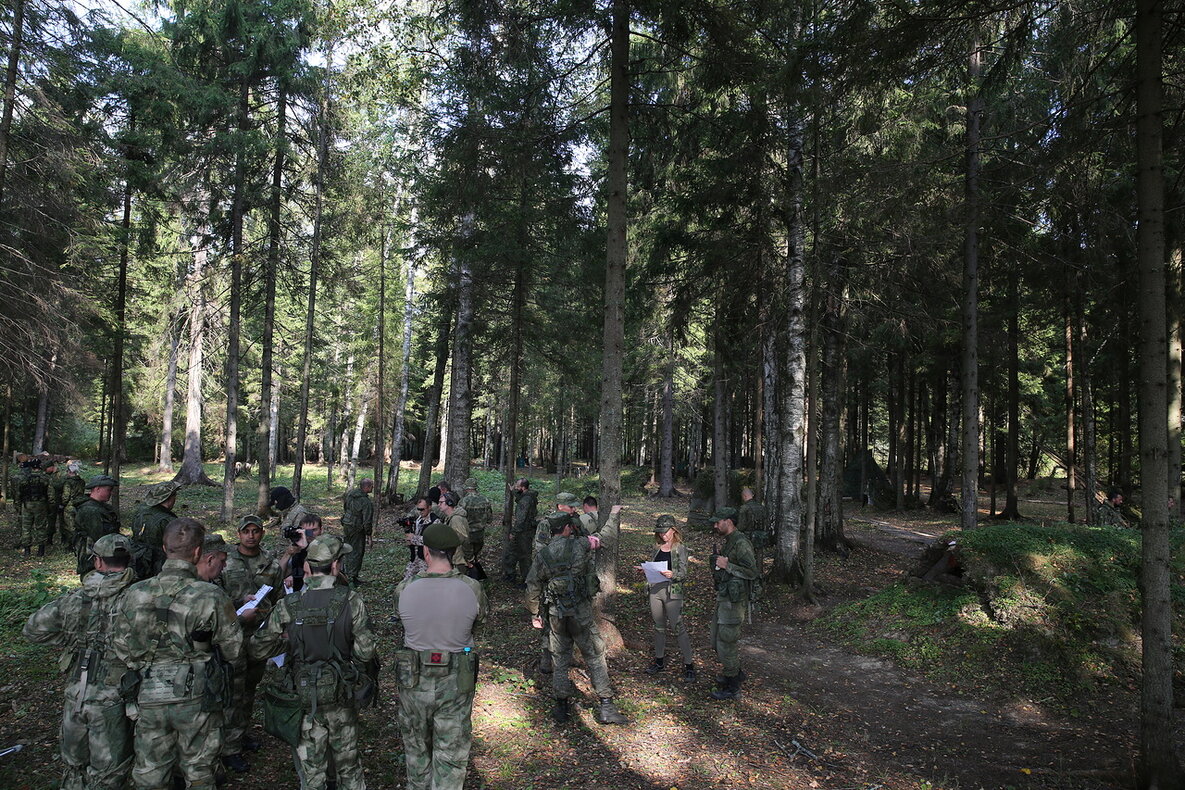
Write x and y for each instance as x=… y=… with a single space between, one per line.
x=46 y=498
x=173 y=632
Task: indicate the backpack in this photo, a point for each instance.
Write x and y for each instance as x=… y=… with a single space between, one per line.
x=479 y=511
x=565 y=592
x=320 y=639
x=33 y=487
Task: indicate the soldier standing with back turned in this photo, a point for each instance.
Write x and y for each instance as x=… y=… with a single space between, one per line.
x=94 y=517
x=357 y=527
x=32 y=496
x=152 y=516
x=480 y=514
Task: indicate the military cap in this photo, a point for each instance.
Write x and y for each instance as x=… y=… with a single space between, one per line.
x=109 y=545
x=98 y=481
x=664 y=522
x=326 y=549
x=557 y=521
x=471 y=484
x=564 y=498
x=213 y=544
x=161 y=492
x=249 y=519
x=725 y=513
x=439 y=536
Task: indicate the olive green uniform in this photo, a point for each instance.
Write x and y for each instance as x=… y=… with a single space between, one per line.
x=96 y=735
x=480 y=515
x=166 y=629
x=148 y=527
x=516 y=554
x=732 y=599
x=73 y=487
x=92 y=520
x=357 y=526
x=33 y=496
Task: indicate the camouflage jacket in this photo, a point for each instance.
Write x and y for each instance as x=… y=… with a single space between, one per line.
x=270 y=639
x=292 y=516
x=678 y=568
x=732 y=583
x=167 y=626
x=459 y=524
x=80 y=623
x=243 y=576
x=72 y=488
x=57 y=490
x=94 y=519
x=357 y=512
x=751 y=517
x=526 y=506
x=149 y=524
x=479 y=511
x=565 y=571
x=32 y=485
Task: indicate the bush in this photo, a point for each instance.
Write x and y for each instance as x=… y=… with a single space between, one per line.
x=17 y=604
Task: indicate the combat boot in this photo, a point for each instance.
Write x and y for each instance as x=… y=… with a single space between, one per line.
x=608 y=712
x=656 y=666
x=741 y=676
x=729 y=689
x=560 y=713
x=689 y=674
x=545 y=665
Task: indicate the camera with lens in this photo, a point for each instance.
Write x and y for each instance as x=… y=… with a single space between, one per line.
x=408 y=523
x=293 y=534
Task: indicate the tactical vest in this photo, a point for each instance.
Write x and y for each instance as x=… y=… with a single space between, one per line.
x=207 y=677
x=87 y=663
x=566 y=590
x=33 y=488
x=480 y=512
x=320 y=647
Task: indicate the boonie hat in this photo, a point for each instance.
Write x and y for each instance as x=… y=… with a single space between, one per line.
x=161 y=492
x=327 y=548
x=470 y=484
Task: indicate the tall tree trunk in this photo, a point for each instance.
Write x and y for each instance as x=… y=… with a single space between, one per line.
x=666 y=464
x=118 y=407
x=1158 y=764
x=165 y=463
x=719 y=415
x=834 y=327
x=6 y=443
x=10 y=75
x=404 y=376
x=792 y=377
x=238 y=209
x=380 y=409
x=613 y=346
x=1012 y=444
x=460 y=401
x=1071 y=428
x=356 y=444
x=1123 y=430
x=270 y=268
x=191 y=470
x=39 y=426
x=970 y=367
x=1174 y=380
x=511 y=431
x=432 y=419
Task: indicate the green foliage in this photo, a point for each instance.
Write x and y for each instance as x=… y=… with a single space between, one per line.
x=16 y=604
x=1046 y=610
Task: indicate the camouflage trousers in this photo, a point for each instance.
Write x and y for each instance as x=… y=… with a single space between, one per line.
x=238 y=714
x=435 y=721
x=579 y=629
x=726 y=631
x=516 y=554
x=477 y=539
x=57 y=523
x=34 y=524
x=352 y=562
x=331 y=733
x=178 y=734
x=96 y=740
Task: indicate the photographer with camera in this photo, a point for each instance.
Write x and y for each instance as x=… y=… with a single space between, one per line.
x=414 y=526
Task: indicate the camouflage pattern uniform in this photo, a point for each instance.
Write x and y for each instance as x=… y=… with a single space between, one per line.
x=751 y=521
x=92 y=520
x=73 y=489
x=357 y=526
x=32 y=494
x=166 y=628
x=732 y=597
x=480 y=514
x=57 y=508
x=96 y=736
x=459 y=524
x=151 y=518
x=436 y=669
x=241 y=578
x=516 y=555
x=566 y=570
x=291 y=517
x=327 y=731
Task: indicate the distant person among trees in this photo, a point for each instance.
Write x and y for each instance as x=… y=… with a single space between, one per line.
x=666 y=598
x=151 y=518
x=516 y=552
x=751 y=520
x=415 y=538
x=480 y=515
x=1112 y=510
x=32 y=497
x=357 y=528
x=73 y=492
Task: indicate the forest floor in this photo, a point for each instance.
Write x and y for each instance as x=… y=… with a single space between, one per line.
x=813 y=714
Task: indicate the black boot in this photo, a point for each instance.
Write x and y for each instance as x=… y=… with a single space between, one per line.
x=689 y=674
x=741 y=676
x=545 y=665
x=560 y=713
x=729 y=689
x=41 y=550
x=656 y=666
x=608 y=712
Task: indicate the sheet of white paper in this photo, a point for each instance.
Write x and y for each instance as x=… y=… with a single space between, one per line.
x=278 y=660
x=654 y=572
x=254 y=600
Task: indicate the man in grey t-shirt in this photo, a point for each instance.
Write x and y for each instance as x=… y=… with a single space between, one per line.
x=437 y=667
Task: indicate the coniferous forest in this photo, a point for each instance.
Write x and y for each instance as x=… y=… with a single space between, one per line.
x=910 y=271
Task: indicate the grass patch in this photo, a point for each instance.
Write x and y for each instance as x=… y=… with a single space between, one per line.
x=1046 y=611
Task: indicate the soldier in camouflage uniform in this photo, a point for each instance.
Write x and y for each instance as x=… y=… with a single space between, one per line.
x=453 y=517
x=436 y=670
x=170 y=629
x=152 y=516
x=249 y=566
x=32 y=495
x=733 y=570
x=566 y=570
x=322 y=645
x=516 y=554
x=50 y=468
x=73 y=493
x=94 y=517
x=751 y=521
x=96 y=736
x=358 y=527
x=480 y=515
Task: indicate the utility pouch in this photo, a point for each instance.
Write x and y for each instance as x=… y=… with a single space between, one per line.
x=466 y=672
x=737 y=591
x=218 y=689
x=282 y=713
x=435 y=663
x=129 y=686
x=366 y=688
x=407 y=669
